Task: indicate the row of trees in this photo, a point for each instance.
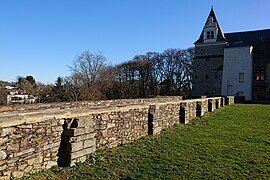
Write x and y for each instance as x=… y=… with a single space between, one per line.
x=152 y=74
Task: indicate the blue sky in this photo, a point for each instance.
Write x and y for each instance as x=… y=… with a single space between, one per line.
x=41 y=38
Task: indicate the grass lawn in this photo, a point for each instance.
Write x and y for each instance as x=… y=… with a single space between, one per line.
x=231 y=143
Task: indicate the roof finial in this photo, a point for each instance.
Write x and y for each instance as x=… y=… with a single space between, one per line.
x=212 y=7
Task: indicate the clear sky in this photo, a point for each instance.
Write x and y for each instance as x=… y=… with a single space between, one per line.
x=41 y=38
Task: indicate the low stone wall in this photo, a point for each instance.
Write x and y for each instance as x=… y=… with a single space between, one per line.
x=89 y=104
x=29 y=145
x=61 y=136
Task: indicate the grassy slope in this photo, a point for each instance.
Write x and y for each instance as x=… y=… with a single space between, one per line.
x=233 y=142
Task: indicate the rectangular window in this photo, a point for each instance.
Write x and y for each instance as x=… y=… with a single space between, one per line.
x=241 y=77
x=210 y=35
x=259 y=74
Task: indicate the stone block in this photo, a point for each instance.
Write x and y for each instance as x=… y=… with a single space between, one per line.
x=34 y=161
x=49 y=164
x=22 y=167
x=89 y=143
x=13 y=147
x=80 y=159
x=57 y=129
x=4 y=140
x=40 y=131
x=3 y=155
x=82 y=137
x=26 y=126
x=105 y=117
x=110 y=125
x=157 y=130
x=82 y=152
x=4 y=178
x=7 y=173
x=24 y=143
x=76 y=146
x=89 y=129
x=3 y=167
x=51 y=145
x=7 y=131
x=28 y=169
x=21 y=153
x=17 y=174
x=2 y=162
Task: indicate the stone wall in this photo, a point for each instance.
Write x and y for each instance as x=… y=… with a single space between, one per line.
x=89 y=104
x=29 y=145
x=208 y=67
x=61 y=136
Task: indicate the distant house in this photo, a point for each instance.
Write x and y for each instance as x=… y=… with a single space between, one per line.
x=15 y=96
x=20 y=99
x=232 y=63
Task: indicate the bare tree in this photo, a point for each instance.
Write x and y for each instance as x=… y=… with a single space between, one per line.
x=88 y=67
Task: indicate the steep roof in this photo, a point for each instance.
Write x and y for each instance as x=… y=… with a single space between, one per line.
x=248 y=38
x=220 y=35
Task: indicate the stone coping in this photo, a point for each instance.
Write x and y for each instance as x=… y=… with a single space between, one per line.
x=12 y=118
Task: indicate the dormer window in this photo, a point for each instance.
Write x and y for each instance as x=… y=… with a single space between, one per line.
x=210 y=34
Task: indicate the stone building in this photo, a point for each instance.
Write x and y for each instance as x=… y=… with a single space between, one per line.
x=235 y=64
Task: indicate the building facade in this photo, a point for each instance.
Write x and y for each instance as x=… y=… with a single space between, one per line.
x=235 y=64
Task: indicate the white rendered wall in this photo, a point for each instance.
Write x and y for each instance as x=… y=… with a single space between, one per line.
x=237 y=60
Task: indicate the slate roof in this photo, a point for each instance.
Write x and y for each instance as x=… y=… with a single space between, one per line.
x=237 y=39
x=220 y=35
x=248 y=38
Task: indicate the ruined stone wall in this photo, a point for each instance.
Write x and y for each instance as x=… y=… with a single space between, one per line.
x=121 y=126
x=43 y=138
x=169 y=115
x=29 y=145
x=89 y=104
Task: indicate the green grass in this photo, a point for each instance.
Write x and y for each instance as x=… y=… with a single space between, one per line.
x=230 y=143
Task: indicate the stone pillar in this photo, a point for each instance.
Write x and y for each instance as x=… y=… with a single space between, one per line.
x=217 y=103
x=199 y=109
x=229 y=100
x=153 y=118
x=202 y=107
x=78 y=141
x=182 y=113
x=222 y=102
x=211 y=105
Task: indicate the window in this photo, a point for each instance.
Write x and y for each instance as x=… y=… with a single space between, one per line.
x=210 y=34
x=206 y=77
x=259 y=74
x=241 y=77
x=197 y=77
